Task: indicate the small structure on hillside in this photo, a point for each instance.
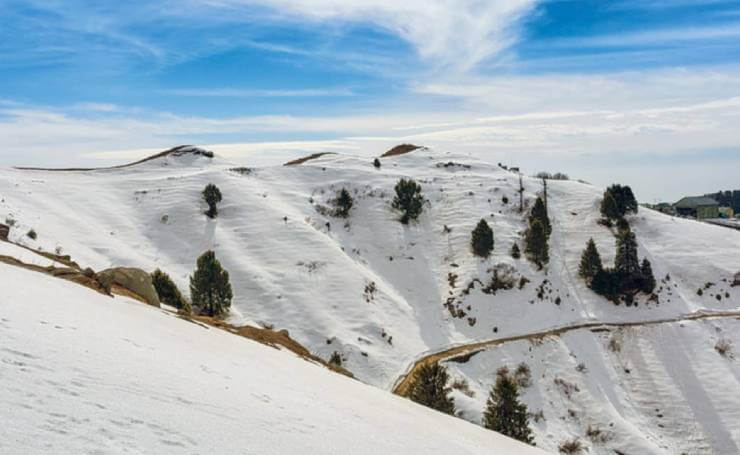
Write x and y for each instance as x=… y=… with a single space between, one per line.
x=699 y=207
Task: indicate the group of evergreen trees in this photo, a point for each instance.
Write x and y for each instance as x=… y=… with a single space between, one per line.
x=727 y=199
x=210 y=288
x=538 y=234
x=618 y=201
x=628 y=275
x=504 y=412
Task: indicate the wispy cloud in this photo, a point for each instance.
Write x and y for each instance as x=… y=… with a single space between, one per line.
x=242 y=93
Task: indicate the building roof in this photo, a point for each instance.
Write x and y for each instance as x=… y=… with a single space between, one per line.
x=692 y=202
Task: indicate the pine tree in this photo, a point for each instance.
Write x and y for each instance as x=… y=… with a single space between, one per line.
x=626 y=262
x=168 y=292
x=210 y=289
x=504 y=412
x=515 y=253
x=647 y=278
x=609 y=208
x=344 y=203
x=536 y=244
x=482 y=240
x=376 y=163
x=212 y=196
x=590 y=261
x=539 y=213
x=430 y=388
x=624 y=198
x=408 y=200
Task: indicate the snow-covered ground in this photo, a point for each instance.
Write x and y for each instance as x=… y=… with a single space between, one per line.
x=84 y=373
x=294 y=268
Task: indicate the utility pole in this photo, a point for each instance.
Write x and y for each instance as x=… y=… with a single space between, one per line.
x=521 y=194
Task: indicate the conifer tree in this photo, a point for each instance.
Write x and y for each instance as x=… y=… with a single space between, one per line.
x=210 y=288
x=168 y=292
x=515 y=253
x=536 y=244
x=504 y=412
x=590 y=262
x=482 y=239
x=376 y=163
x=430 y=388
x=539 y=213
x=646 y=277
x=212 y=196
x=626 y=262
x=624 y=198
x=408 y=199
x=609 y=207
x=344 y=203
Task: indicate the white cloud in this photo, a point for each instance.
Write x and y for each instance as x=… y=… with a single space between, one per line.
x=449 y=33
x=242 y=93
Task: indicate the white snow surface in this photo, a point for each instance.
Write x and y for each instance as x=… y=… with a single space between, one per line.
x=291 y=270
x=84 y=373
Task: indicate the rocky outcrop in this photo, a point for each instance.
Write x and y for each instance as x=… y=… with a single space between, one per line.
x=4 y=231
x=133 y=280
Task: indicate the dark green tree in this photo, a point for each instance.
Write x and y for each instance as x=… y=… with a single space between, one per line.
x=590 y=261
x=376 y=163
x=626 y=262
x=539 y=213
x=408 y=200
x=212 y=196
x=609 y=208
x=515 y=253
x=343 y=203
x=168 y=292
x=536 y=244
x=646 y=277
x=210 y=288
x=430 y=388
x=482 y=239
x=624 y=198
x=504 y=412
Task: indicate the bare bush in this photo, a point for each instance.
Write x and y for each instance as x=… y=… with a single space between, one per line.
x=523 y=375
x=724 y=348
x=571 y=446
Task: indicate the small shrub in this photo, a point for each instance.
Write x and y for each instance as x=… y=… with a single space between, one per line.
x=505 y=200
x=31 y=234
x=538 y=416
x=463 y=386
x=596 y=435
x=614 y=345
x=482 y=240
x=376 y=163
x=515 y=252
x=167 y=290
x=567 y=388
x=408 y=200
x=523 y=375
x=335 y=359
x=724 y=348
x=581 y=368
x=571 y=446
x=343 y=203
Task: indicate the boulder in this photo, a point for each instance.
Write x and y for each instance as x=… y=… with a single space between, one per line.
x=133 y=280
x=4 y=231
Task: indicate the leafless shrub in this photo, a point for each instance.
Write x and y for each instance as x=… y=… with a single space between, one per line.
x=581 y=368
x=567 y=388
x=596 y=435
x=523 y=375
x=615 y=345
x=571 y=446
x=462 y=385
x=724 y=347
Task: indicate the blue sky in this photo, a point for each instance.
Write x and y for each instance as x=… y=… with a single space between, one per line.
x=604 y=90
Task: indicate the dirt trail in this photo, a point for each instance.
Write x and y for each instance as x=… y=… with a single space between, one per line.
x=403 y=383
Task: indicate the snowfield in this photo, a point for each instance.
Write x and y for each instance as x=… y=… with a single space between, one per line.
x=384 y=295
x=84 y=373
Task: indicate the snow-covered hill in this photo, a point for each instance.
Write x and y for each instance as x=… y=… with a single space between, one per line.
x=84 y=373
x=294 y=268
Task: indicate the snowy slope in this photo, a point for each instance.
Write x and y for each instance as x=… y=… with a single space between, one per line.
x=291 y=270
x=84 y=373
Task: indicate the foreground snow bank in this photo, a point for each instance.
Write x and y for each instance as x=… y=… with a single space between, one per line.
x=83 y=373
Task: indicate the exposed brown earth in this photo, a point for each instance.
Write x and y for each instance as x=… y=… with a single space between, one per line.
x=307 y=158
x=401 y=150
